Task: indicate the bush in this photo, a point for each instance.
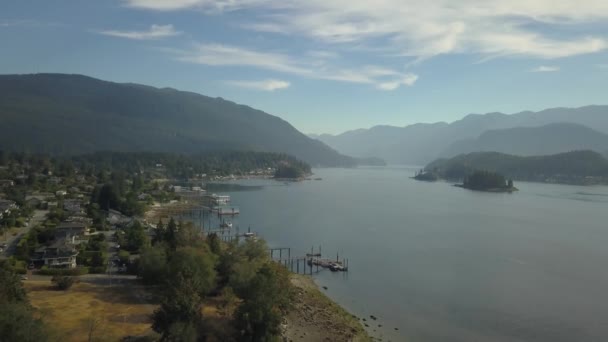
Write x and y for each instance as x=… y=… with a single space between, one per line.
x=20 y=270
x=124 y=257
x=63 y=282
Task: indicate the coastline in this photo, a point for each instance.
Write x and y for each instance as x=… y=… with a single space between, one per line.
x=497 y=190
x=315 y=317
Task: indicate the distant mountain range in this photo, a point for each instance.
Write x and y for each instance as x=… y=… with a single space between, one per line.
x=421 y=143
x=533 y=141
x=74 y=114
x=577 y=167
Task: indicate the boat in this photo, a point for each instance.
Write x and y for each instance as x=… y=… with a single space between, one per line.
x=336 y=267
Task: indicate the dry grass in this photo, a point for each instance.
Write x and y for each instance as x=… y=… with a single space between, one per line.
x=112 y=312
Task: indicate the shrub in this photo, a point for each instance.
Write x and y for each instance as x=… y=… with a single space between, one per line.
x=63 y=282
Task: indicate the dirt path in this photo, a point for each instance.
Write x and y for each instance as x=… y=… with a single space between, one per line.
x=316 y=318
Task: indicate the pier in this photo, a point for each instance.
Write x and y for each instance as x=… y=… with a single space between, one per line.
x=200 y=207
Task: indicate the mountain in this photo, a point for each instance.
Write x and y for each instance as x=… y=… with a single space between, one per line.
x=421 y=143
x=74 y=114
x=577 y=167
x=533 y=141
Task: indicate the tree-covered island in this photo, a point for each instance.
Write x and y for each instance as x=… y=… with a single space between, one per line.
x=487 y=181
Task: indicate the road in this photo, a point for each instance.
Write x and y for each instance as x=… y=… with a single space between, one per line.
x=12 y=241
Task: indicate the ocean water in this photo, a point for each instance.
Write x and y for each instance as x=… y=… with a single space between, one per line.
x=438 y=263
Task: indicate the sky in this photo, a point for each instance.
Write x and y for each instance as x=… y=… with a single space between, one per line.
x=327 y=66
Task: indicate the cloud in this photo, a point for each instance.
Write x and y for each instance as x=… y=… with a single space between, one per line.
x=227 y=55
x=543 y=29
x=155 y=32
x=265 y=85
x=545 y=68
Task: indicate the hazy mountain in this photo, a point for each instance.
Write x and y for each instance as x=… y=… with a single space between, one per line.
x=577 y=167
x=421 y=143
x=70 y=114
x=532 y=141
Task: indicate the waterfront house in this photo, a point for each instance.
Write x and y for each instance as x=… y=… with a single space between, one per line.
x=214 y=200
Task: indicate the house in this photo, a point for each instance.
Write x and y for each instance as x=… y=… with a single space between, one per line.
x=216 y=200
x=54 y=180
x=6 y=183
x=61 y=254
x=33 y=202
x=116 y=218
x=71 y=230
x=82 y=218
x=6 y=206
x=72 y=206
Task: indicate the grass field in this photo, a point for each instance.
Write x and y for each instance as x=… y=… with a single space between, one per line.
x=110 y=312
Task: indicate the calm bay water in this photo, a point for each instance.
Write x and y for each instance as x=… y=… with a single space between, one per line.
x=442 y=263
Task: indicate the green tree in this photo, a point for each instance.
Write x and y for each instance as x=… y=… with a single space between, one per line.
x=190 y=277
x=171 y=234
x=153 y=265
x=264 y=301
x=136 y=237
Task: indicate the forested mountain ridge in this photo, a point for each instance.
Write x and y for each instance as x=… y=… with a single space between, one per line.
x=422 y=143
x=75 y=114
x=577 y=167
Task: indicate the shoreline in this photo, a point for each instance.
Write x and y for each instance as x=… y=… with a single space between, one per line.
x=316 y=317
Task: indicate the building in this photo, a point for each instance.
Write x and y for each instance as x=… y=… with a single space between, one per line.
x=116 y=218
x=6 y=183
x=6 y=206
x=214 y=200
x=71 y=230
x=72 y=206
x=61 y=254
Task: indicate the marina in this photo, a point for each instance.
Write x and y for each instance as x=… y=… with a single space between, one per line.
x=207 y=212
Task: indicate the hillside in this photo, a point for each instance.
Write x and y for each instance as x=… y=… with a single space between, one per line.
x=74 y=114
x=534 y=141
x=422 y=143
x=578 y=167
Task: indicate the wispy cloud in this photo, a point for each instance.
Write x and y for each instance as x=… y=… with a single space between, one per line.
x=227 y=55
x=265 y=85
x=154 y=32
x=424 y=29
x=545 y=68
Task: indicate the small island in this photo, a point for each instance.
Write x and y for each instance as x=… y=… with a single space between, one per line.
x=427 y=176
x=487 y=181
x=293 y=172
